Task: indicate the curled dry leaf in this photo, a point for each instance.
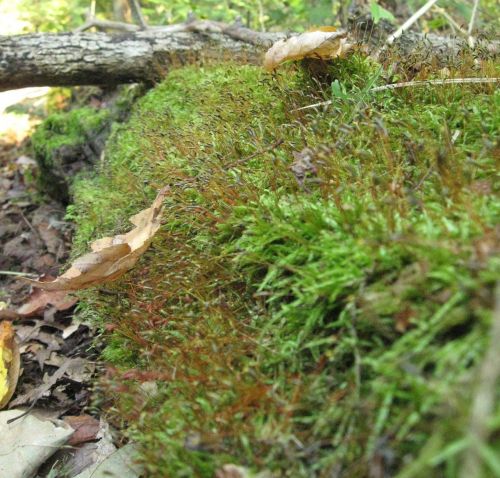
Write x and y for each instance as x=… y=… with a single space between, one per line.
x=39 y=300
x=317 y=44
x=111 y=257
x=9 y=363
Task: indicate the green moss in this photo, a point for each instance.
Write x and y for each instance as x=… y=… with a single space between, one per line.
x=307 y=326
x=71 y=128
x=60 y=144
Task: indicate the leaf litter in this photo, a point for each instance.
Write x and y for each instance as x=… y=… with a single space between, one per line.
x=111 y=257
x=50 y=355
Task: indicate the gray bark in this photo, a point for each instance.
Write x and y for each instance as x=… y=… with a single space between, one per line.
x=68 y=59
x=100 y=59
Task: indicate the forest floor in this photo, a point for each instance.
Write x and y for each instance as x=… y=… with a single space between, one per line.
x=59 y=353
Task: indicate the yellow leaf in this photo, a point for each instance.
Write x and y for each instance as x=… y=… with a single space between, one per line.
x=9 y=363
x=316 y=44
x=111 y=257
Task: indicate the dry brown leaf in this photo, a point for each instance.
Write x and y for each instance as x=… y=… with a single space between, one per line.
x=9 y=363
x=85 y=426
x=39 y=299
x=111 y=256
x=317 y=44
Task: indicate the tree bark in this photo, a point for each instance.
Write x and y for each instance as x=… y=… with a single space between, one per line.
x=68 y=59
x=100 y=59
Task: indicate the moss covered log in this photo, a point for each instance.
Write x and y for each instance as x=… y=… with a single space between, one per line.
x=318 y=300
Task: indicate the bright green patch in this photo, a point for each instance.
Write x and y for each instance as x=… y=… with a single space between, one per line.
x=307 y=319
x=57 y=143
x=61 y=129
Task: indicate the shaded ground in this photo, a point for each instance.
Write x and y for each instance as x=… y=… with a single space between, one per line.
x=58 y=353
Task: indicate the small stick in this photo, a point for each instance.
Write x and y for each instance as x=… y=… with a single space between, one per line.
x=25 y=219
x=410 y=22
x=449 y=81
x=20 y=274
x=451 y=21
x=257 y=153
x=137 y=13
x=107 y=24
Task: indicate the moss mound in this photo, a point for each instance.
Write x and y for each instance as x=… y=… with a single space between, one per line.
x=318 y=300
x=67 y=142
x=63 y=143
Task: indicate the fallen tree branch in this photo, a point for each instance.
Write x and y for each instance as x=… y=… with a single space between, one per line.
x=100 y=59
x=136 y=55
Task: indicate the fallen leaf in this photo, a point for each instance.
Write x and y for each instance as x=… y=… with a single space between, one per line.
x=403 y=318
x=21 y=247
x=119 y=463
x=7 y=314
x=26 y=161
x=28 y=442
x=88 y=455
x=111 y=256
x=79 y=369
x=9 y=363
x=85 y=426
x=70 y=330
x=317 y=44
x=33 y=395
x=39 y=299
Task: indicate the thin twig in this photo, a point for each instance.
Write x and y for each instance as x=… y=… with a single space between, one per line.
x=32 y=229
x=236 y=31
x=449 y=81
x=454 y=25
x=107 y=24
x=135 y=7
x=471 y=39
x=410 y=22
x=266 y=149
x=20 y=274
x=423 y=178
